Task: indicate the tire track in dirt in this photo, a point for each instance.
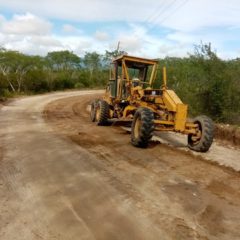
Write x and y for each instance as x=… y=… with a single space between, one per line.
x=179 y=193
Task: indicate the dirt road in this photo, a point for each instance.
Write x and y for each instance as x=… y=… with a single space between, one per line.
x=62 y=177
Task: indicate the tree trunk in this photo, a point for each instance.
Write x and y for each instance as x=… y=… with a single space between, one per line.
x=12 y=87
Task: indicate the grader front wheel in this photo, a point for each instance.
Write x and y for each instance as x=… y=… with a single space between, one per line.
x=202 y=141
x=142 y=127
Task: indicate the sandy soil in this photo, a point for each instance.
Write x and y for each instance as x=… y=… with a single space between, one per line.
x=66 y=178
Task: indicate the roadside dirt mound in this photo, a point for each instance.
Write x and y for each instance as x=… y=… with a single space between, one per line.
x=228 y=133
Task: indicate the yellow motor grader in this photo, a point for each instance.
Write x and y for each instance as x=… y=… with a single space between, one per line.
x=130 y=97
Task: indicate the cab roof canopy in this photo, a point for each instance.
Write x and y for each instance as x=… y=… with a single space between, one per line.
x=134 y=62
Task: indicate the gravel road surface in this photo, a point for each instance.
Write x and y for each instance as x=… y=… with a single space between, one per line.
x=63 y=177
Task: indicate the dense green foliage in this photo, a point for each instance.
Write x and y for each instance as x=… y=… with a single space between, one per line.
x=208 y=84
x=57 y=71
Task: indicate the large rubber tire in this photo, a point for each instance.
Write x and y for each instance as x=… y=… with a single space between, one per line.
x=93 y=110
x=204 y=142
x=102 y=113
x=142 y=127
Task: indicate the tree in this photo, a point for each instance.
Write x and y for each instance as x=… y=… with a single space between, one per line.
x=6 y=65
x=60 y=67
x=110 y=55
x=210 y=80
x=63 y=60
x=92 y=62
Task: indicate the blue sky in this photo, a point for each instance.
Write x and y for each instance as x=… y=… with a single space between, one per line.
x=144 y=28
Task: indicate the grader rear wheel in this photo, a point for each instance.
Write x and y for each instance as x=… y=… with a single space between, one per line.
x=93 y=110
x=142 y=127
x=202 y=141
x=102 y=113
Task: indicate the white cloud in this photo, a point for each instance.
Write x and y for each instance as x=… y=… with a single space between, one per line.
x=197 y=14
x=134 y=39
x=2 y=19
x=79 y=10
x=33 y=35
x=187 y=22
x=180 y=14
x=47 y=41
x=68 y=28
x=101 y=36
x=131 y=44
x=26 y=24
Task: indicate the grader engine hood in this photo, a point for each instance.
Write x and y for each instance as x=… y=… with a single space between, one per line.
x=171 y=100
x=174 y=104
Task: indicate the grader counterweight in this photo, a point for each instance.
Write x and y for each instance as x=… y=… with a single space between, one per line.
x=130 y=97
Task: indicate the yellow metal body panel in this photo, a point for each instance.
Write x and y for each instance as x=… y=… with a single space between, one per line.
x=158 y=100
x=164 y=78
x=128 y=109
x=163 y=122
x=180 y=117
x=171 y=100
x=153 y=75
x=135 y=59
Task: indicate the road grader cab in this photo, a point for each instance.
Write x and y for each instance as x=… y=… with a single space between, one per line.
x=130 y=97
